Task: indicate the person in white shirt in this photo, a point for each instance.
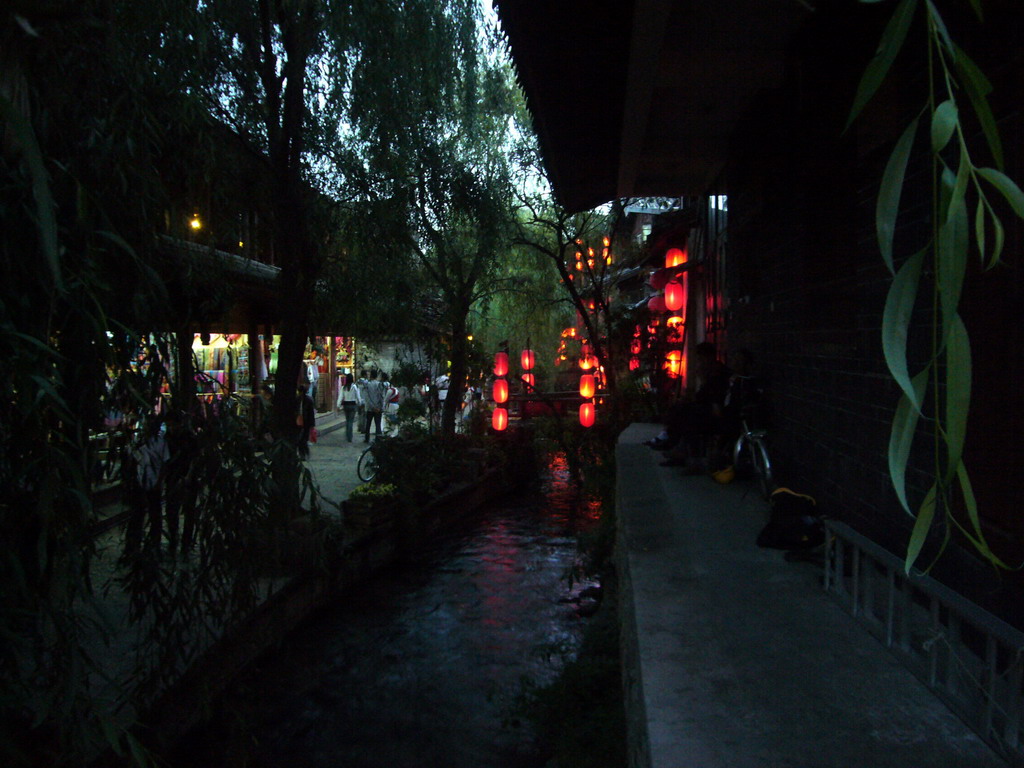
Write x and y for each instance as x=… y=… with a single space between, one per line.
x=349 y=400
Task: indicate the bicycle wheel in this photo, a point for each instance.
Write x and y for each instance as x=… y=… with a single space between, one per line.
x=762 y=467
x=367 y=467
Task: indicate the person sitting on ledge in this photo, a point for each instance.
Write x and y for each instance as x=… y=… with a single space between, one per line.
x=692 y=419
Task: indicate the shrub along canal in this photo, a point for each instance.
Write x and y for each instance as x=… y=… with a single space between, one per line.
x=422 y=666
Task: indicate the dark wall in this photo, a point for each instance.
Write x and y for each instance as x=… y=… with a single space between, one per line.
x=806 y=288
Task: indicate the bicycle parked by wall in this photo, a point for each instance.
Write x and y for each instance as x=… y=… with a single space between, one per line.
x=751 y=453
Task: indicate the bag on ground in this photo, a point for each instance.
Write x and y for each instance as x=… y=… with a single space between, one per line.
x=795 y=522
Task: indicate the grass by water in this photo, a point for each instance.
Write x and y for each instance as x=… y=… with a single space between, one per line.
x=579 y=718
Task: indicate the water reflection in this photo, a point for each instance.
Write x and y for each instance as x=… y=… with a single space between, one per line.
x=418 y=667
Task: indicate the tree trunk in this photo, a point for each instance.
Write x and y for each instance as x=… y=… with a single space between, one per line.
x=294 y=333
x=457 y=376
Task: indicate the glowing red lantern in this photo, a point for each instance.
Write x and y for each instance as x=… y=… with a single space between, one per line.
x=676 y=328
x=634 y=363
x=529 y=380
x=499 y=419
x=635 y=346
x=587 y=386
x=500 y=391
x=674 y=296
x=657 y=303
x=587 y=414
x=674 y=363
x=500 y=363
x=674 y=257
x=526 y=359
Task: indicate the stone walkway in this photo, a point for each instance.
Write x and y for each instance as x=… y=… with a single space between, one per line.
x=736 y=658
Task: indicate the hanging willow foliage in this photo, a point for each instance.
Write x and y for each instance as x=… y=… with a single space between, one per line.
x=939 y=394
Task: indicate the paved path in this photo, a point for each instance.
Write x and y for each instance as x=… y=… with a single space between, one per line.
x=333 y=460
x=737 y=658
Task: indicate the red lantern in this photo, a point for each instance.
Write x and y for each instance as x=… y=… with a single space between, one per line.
x=658 y=278
x=674 y=257
x=587 y=386
x=674 y=296
x=499 y=419
x=657 y=303
x=635 y=346
x=634 y=363
x=500 y=363
x=587 y=414
x=526 y=359
x=529 y=380
x=676 y=328
x=674 y=363
x=500 y=390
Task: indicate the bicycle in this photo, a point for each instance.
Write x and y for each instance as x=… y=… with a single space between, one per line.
x=751 y=449
x=367 y=466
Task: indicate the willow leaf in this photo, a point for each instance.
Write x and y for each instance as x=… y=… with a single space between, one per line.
x=940 y=26
x=976 y=535
x=963 y=177
x=888 y=204
x=904 y=427
x=899 y=307
x=892 y=40
x=978 y=88
x=1000 y=237
x=979 y=229
x=944 y=122
x=22 y=133
x=1007 y=188
x=958 y=394
x=952 y=261
x=923 y=523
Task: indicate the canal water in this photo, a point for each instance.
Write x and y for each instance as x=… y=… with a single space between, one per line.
x=422 y=666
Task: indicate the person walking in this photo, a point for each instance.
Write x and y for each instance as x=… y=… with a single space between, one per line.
x=349 y=399
x=374 y=402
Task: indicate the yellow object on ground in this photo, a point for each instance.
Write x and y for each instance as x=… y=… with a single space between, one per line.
x=724 y=476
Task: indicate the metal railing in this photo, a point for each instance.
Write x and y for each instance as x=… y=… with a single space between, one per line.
x=970 y=659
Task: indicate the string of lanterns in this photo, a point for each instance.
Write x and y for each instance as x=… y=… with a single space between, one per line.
x=671 y=280
x=590 y=263
x=499 y=418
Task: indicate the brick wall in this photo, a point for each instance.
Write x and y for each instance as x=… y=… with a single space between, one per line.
x=806 y=288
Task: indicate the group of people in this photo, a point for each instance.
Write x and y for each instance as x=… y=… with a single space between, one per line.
x=364 y=402
x=371 y=397
x=700 y=426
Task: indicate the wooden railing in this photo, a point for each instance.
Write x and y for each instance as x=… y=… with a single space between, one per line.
x=969 y=658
